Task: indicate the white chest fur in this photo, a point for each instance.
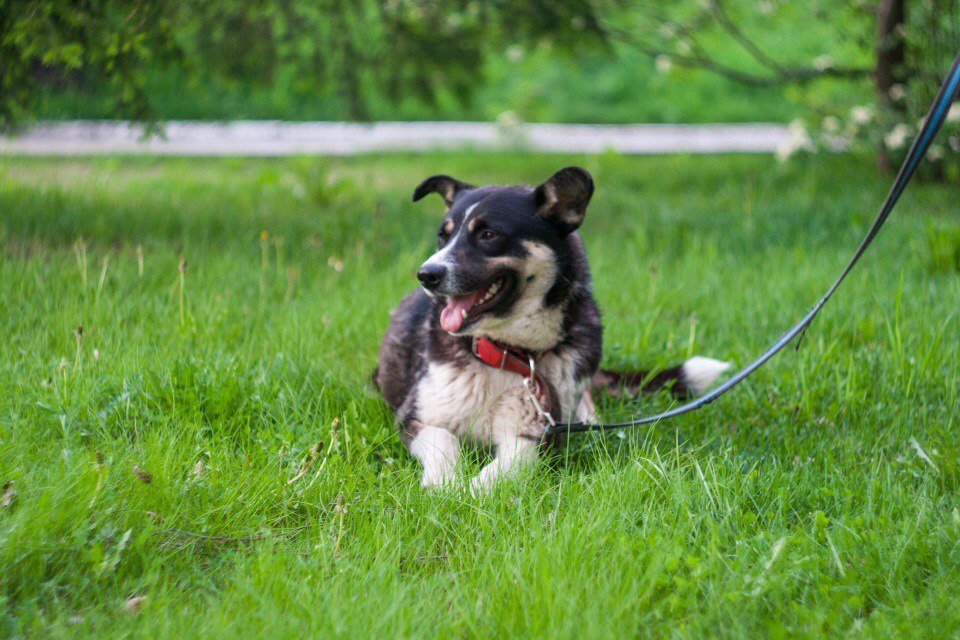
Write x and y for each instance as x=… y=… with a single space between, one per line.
x=488 y=405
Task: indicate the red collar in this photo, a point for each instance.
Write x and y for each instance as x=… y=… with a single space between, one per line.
x=506 y=357
x=516 y=360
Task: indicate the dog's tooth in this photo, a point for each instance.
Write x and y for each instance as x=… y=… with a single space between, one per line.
x=463 y=313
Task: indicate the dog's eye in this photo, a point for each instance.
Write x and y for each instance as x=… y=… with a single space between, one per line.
x=488 y=234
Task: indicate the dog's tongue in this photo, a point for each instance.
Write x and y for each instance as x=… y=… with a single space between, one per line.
x=451 y=318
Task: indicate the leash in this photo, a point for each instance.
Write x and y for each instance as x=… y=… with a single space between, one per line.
x=935 y=119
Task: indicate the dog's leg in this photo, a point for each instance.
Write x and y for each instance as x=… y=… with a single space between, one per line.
x=437 y=450
x=587 y=410
x=513 y=452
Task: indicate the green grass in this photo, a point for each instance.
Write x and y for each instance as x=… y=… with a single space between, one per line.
x=820 y=498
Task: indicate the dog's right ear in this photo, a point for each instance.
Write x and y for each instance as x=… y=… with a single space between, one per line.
x=563 y=198
x=447 y=187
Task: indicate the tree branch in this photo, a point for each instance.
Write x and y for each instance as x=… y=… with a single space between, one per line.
x=780 y=75
x=723 y=19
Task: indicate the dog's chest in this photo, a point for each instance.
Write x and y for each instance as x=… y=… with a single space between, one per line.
x=484 y=403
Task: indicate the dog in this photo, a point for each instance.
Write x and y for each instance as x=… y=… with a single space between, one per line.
x=503 y=335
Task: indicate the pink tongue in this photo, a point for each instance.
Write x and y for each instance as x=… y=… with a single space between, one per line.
x=451 y=318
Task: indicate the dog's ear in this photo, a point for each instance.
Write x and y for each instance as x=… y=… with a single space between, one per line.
x=447 y=187
x=563 y=198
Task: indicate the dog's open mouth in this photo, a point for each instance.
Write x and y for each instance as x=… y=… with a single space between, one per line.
x=463 y=310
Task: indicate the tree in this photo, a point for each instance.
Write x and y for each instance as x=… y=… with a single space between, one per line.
x=904 y=49
x=359 y=49
x=348 y=46
x=112 y=39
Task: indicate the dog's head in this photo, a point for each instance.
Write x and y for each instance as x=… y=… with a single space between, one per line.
x=507 y=256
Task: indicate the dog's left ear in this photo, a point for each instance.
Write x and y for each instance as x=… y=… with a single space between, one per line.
x=563 y=198
x=447 y=187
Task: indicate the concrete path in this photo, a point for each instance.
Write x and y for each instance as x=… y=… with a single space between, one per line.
x=274 y=138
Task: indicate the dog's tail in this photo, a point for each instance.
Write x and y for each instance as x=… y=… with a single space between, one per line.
x=691 y=378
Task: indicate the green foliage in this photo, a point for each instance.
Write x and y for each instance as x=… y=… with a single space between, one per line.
x=889 y=122
x=347 y=49
x=111 y=40
x=717 y=60
x=445 y=60
x=821 y=498
x=739 y=40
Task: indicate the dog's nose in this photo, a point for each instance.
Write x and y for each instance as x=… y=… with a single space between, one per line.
x=430 y=275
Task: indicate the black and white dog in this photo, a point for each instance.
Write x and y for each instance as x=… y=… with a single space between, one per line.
x=504 y=329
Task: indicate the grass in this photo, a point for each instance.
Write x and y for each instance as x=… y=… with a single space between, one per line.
x=231 y=312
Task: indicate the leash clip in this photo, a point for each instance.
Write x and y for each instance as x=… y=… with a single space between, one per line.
x=532 y=385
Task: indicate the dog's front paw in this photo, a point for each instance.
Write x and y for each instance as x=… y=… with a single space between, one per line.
x=436 y=479
x=587 y=410
x=485 y=480
x=480 y=486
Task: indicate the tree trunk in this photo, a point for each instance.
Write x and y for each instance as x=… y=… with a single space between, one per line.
x=891 y=57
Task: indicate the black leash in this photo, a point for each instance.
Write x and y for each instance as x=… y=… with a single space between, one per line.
x=935 y=119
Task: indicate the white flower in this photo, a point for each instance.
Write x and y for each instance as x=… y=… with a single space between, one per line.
x=831 y=124
x=935 y=153
x=668 y=30
x=797 y=128
x=765 y=7
x=683 y=47
x=509 y=119
x=515 y=53
x=663 y=63
x=954 y=114
x=837 y=143
x=897 y=136
x=822 y=63
x=510 y=131
x=797 y=139
x=861 y=114
x=896 y=92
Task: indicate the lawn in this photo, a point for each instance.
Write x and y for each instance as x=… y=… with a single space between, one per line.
x=206 y=458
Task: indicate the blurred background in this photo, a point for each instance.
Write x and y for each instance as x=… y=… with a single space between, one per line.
x=852 y=74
